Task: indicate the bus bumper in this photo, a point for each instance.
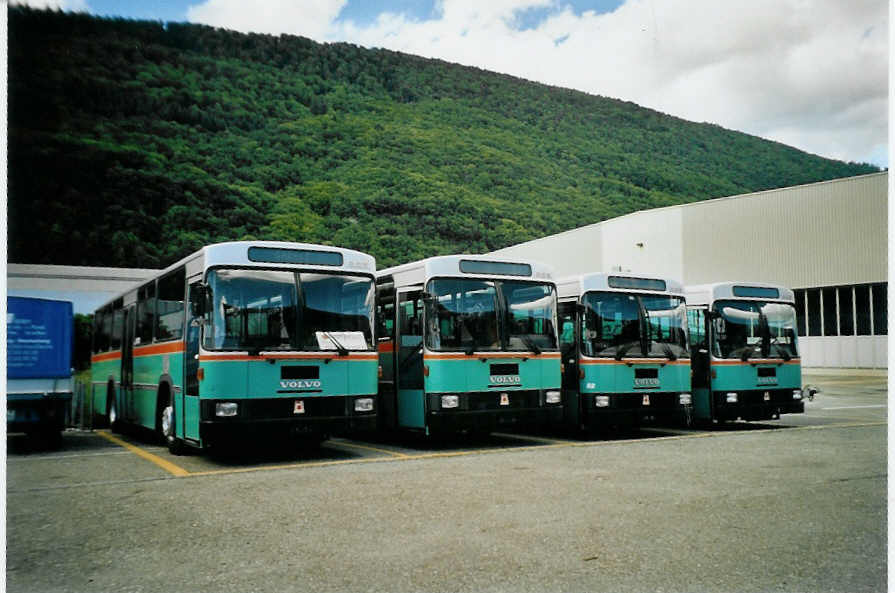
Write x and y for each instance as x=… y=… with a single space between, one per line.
x=36 y=412
x=321 y=415
x=762 y=404
x=484 y=412
x=632 y=408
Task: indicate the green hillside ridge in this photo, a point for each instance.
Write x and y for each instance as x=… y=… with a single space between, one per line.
x=134 y=143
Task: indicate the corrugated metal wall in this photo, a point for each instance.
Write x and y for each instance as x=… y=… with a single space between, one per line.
x=572 y=252
x=812 y=235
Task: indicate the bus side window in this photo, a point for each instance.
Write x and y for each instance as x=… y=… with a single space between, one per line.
x=696 y=325
x=566 y=327
x=385 y=321
x=169 y=319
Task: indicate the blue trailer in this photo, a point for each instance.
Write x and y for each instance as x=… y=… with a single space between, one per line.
x=39 y=338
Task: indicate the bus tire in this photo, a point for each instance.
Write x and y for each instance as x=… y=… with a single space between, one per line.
x=112 y=414
x=175 y=445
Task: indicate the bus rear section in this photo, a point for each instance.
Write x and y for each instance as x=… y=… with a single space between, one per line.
x=468 y=344
x=746 y=361
x=624 y=347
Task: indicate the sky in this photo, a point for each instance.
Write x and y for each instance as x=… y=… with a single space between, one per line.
x=812 y=74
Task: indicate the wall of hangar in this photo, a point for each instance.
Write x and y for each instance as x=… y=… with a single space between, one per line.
x=827 y=240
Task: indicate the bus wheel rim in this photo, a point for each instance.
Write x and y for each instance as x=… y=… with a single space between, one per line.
x=168 y=422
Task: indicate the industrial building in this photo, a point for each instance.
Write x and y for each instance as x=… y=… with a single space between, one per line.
x=828 y=241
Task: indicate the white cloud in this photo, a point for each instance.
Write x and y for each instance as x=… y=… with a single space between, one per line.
x=309 y=18
x=810 y=73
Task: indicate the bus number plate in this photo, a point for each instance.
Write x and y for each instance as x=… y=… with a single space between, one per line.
x=299 y=407
x=767 y=396
x=645 y=400
x=504 y=399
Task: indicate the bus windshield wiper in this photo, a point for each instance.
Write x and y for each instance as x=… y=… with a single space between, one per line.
x=747 y=353
x=668 y=351
x=623 y=349
x=343 y=351
x=783 y=351
x=530 y=343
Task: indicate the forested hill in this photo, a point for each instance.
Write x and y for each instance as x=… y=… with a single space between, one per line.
x=133 y=143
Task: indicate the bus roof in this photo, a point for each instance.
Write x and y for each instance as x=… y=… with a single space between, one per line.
x=574 y=286
x=706 y=294
x=467 y=266
x=271 y=254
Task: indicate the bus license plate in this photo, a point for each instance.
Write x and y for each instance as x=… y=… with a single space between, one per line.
x=504 y=399
x=645 y=400
x=299 y=407
x=767 y=396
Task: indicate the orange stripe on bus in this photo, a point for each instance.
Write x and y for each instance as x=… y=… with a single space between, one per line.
x=629 y=361
x=166 y=348
x=114 y=355
x=260 y=357
x=753 y=361
x=461 y=356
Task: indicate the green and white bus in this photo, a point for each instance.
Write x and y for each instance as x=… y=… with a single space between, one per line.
x=624 y=349
x=745 y=353
x=467 y=343
x=241 y=338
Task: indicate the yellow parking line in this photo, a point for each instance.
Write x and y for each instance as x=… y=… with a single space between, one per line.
x=162 y=463
x=369 y=448
x=395 y=456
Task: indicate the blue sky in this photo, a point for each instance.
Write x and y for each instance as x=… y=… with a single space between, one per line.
x=772 y=68
x=362 y=12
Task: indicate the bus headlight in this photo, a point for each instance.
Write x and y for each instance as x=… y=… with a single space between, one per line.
x=363 y=404
x=732 y=397
x=797 y=394
x=225 y=409
x=450 y=401
x=553 y=397
x=685 y=399
x=602 y=401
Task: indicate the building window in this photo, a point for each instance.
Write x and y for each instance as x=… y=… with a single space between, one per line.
x=830 y=316
x=862 y=309
x=846 y=312
x=800 y=310
x=813 y=311
x=880 y=309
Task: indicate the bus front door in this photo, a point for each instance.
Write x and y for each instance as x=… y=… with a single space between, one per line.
x=187 y=417
x=128 y=408
x=409 y=365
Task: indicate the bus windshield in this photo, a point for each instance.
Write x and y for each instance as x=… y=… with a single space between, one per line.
x=255 y=310
x=747 y=328
x=621 y=324
x=468 y=315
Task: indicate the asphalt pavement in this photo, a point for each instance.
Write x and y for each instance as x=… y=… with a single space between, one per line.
x=797 y=504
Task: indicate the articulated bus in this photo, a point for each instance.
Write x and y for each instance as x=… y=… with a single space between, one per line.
x=624 y=346
x=242 y=338
x=467 y=343
x=745 y=356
